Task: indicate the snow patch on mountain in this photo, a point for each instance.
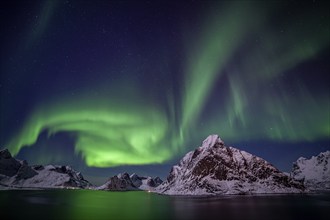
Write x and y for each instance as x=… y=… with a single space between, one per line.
x=314 y=172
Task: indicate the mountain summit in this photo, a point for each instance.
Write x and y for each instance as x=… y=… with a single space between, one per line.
x=214 y=168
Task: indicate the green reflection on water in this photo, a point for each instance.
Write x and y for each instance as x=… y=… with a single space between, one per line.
x=84 y=204
x=94 y=205
x=115 y=205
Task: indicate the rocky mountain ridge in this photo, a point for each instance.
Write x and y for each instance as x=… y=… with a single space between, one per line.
x=18 y=174
x=126 y=182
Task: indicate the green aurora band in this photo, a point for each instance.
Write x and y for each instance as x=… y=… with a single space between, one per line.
x=105 y=134
x=298 y=116
x=109 y=132
x=217 y=44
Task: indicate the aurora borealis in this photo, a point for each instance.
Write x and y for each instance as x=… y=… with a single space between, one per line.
x=141 y=83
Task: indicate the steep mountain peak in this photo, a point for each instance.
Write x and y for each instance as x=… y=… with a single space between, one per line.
x=5 y=154
x=214 y=168
x=211 y=141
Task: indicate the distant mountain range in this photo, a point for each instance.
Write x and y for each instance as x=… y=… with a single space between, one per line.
x=18 y=174
x=124 y=182
x=211 y=169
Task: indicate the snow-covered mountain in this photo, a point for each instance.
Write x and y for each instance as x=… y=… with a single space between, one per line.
x=18 y=174
x=126 y=182
x=214 y=168
x=314 y=172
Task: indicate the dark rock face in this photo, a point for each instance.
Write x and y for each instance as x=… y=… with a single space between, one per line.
x=136 y=180
x=25 y=172
x=5 y=154
x=157 y=181
x=154 y=182
x=8 y=165
x=151 y=183
x=216 y=168
x=121 y=182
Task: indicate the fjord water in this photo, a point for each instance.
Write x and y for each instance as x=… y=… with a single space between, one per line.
x=88 y=204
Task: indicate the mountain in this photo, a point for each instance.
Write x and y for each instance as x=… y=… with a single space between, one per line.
x=314 y=172
x=18 y=174
x=214 y=168
x=125 y=182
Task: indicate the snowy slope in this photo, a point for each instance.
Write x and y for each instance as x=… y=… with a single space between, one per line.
x=214 y=168
x=126 y=182
x=18 y=174
x=314 y=172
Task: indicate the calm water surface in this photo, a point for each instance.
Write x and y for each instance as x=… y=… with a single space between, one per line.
x=87 y=204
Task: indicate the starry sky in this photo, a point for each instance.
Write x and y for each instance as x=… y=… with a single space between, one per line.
x=113 y=86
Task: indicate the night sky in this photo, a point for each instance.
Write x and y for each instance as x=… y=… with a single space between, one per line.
x=113 y=86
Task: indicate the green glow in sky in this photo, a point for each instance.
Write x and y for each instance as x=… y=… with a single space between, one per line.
x=258 y=106
x=224 y=31
x=254 y=101
x=106 y=134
